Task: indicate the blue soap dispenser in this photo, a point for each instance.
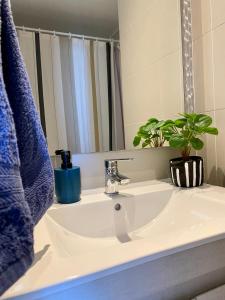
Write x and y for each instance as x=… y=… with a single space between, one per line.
x=67 y=180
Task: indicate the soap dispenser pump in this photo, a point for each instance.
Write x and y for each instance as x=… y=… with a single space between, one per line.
x=67 y=179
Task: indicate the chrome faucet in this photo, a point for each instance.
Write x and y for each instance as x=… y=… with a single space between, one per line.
x=112 y=176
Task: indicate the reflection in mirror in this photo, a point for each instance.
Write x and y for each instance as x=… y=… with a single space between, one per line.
x=100 y=68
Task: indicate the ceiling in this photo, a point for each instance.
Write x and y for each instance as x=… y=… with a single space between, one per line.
x=88 y=17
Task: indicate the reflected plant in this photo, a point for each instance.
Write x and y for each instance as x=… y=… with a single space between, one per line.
x=150 y=134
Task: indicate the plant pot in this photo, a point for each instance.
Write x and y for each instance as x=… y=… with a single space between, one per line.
x=187 y=172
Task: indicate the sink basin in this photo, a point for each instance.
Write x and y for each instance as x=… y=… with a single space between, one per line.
x=102 y=221
x=112 y=217
x=95 y=223
x=103 y=235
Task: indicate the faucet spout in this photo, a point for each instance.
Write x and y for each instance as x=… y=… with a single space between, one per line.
x=123 y=180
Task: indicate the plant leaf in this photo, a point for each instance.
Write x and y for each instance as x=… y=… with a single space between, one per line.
x=143 y=129
x=150 y=127
x=196 y=143
x=199 y=130
x=190 y=117
x=203 y=120
x=152 y=120
x=178 y=141
x=145 y=144
x=142 y=132
x=185 y=132
x=136 y=141
x=159 y=124
x=168 y=123
x=211 y=130
x=180 y=123
x=167 y=132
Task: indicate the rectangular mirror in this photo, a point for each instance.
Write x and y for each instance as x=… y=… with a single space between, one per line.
x=100 y=69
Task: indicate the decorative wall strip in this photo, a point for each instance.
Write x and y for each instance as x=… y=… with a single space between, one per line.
x=186 y=32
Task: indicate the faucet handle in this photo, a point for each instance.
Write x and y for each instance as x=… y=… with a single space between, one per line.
x=112 y=162
x=116 y=159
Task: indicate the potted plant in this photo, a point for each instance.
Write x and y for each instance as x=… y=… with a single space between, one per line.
x=184 y=134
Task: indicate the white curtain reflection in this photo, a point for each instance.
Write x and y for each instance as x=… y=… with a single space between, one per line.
x=58 y=93
x=53 y=93
x=101 y=85
x=83 y=94
x=81 y=91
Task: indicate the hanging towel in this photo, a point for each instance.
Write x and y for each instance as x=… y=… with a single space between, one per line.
x=26 y=176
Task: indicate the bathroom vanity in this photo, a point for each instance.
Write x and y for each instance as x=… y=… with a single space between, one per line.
x=151 y=241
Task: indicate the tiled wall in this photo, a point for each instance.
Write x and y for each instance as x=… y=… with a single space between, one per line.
x=208 y=21
x=151 y=61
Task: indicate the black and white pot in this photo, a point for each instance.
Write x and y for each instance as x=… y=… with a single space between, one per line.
x=187 y=172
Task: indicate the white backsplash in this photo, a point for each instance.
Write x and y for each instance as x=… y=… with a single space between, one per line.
x=147 y=164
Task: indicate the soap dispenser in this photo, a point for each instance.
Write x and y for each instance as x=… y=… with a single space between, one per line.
x=67 y=180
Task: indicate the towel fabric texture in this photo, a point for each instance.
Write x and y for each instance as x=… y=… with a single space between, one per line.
x=26 y=175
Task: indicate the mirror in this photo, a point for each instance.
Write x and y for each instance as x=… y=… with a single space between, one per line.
x=101 y=68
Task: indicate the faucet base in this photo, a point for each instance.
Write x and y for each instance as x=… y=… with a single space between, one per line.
x=111 y=194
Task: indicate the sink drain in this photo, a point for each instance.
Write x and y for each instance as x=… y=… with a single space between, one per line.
x=117 y=206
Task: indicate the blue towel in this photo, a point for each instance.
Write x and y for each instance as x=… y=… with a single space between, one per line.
x=26 y=175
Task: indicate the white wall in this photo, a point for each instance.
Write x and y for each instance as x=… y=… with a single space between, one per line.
x=209 y=79
x=151 y=60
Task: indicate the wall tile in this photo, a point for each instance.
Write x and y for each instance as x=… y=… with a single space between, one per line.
x=220 y=147
x=142 y=94
x=151 y=59
x=131 y=131
x=218 y=12
x=203 y=154
x=209 y=155
x=203 y=73
x=210 y=163
x=201 y=17
x=133 y=13
x=171 y=89
x=150 y=36
x=209 y=74
x=129 y=45
x=169 y=27
x=219 y=66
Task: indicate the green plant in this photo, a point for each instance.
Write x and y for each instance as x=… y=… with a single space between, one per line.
x=150 y=134
x=184 y=133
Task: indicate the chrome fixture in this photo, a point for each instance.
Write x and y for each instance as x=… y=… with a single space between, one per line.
x=112 y=176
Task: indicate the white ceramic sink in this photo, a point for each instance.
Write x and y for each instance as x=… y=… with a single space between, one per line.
x=80 y=242
x=112 y=217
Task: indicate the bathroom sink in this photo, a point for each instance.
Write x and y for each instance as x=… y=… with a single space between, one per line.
x=102 y=235
x=158 y=212
x=112 y=217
